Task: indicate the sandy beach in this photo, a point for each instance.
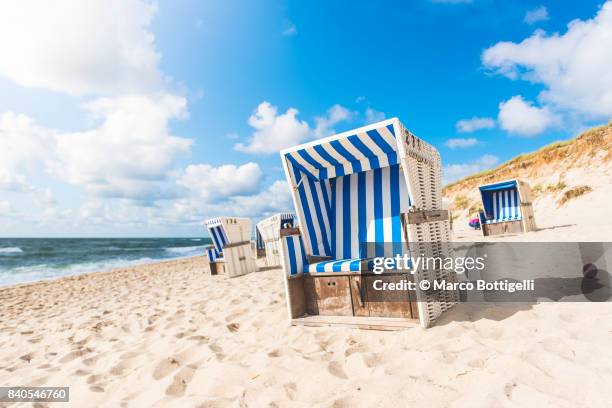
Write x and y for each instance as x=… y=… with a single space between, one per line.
x=166 y=334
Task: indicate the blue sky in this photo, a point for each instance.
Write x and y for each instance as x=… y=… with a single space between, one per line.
x=115 y=116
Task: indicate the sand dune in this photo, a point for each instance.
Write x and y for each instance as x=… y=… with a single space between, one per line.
x=555 y=173
x=167 y=335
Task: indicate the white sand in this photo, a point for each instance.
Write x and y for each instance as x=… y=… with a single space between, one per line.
x=167 y=335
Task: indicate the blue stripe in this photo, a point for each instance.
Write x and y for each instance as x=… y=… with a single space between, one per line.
x=396 y=224
x=323 y=153
x=361 y=213
x=291 y=253
x=222 y=235
x=215 y=238
x=347 y=155
x=308 y=219
x=380 y=142
x=356 y=141
x=322 y=170
x=390 y=127
x=379 y=230
x=326 y=199
x=355 y=265
x=321 y=265
x=332 y=184
x=337 y=266
x=298 y=168
x=317 y=206
x=346 y=215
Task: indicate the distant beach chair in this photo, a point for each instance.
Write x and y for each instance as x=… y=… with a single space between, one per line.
x=507 y=208
x=231 y=252
x=359 y=195
x=269 y=232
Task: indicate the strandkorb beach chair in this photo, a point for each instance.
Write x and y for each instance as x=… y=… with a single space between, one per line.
x=506 y=207
x=231 y=252
x=269 y=232
x=360 y=195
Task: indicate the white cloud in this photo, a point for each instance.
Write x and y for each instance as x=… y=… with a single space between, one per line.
x=536 y=15
x=275 y=198
x=274 y=132
x=335 y=115
x=130 y=154
x=360 y=99
x=474 y=124
x=79 y=47
x=460 y=142
x=454 y=172
x=519 y=116
x=23 y=146
x=573 y=67
x=373 y=116
x=290 y=29
x=213 y=184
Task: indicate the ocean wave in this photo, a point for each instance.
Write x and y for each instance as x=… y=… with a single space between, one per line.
x=11 y=250
x=39 y=272
x=186 y=250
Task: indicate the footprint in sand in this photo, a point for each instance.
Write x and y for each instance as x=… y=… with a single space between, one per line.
x=27 y=357
x=290 y=390
x=165 y=367
x=74 y=354
x=180 y=382
x=335 y=368
x=218 y=350
x=233 y=327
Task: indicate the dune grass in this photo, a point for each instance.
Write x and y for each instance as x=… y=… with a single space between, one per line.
x=573 y=193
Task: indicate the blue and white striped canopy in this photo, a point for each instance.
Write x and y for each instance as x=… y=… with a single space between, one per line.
x=501 y=202
x=346 y=154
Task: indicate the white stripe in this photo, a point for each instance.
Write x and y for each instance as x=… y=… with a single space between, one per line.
x=386 y=199
x=494 y=196
x=354 y=220
x=339 y=217
x=506 y=207
x=351 y=149
x=370 y=234
x=313 y=171
x=313 y=216
x=512 y=205
x=383 y=160
x=388 y=136
x=319 y=188
x=348 y=167
x=331 y=170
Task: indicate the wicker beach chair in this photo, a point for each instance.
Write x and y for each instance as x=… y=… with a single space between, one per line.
x=231 y=252
x=359 y=195
x=506 y=207
x=269 y=232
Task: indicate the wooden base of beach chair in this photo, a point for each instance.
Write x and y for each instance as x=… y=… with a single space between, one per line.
x=498 y=228
x=351 y=299
x=217 y=268
x=367 y=323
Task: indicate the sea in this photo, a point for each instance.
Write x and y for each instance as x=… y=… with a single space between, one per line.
x=33 y=259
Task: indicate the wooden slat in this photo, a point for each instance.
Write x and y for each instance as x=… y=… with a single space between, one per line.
x=367 y=323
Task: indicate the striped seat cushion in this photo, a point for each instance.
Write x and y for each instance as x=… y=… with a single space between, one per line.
x=342 y=265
